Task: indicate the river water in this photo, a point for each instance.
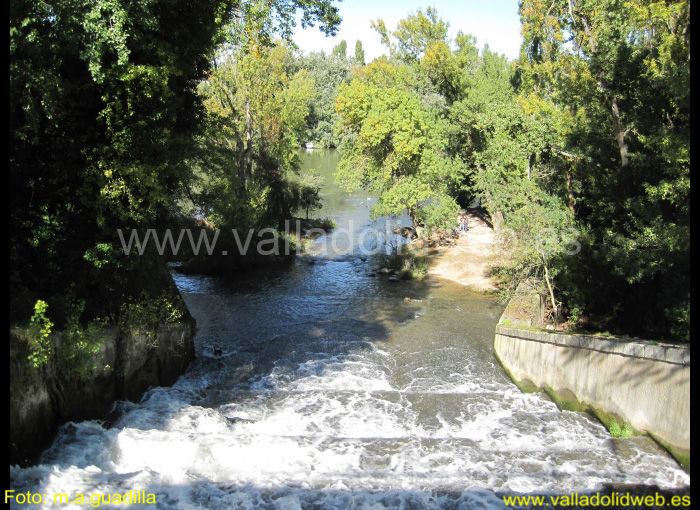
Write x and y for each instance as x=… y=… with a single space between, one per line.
x=317 y=384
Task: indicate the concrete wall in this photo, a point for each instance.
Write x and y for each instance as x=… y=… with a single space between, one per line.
x=43 y=398
x=642 y=383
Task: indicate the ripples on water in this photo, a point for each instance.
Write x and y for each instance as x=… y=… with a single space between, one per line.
x=339 y=395
x=331 y=391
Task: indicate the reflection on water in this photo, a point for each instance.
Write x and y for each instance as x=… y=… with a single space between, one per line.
x=317 y=385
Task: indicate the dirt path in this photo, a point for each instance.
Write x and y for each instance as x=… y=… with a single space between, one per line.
x=467 y=262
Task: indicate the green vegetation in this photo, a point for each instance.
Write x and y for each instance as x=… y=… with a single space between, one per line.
x=616 y=429
x=406 y=264
x=416 y=267
x=151 y=313
x=328 y=72
x=256 y=110
x=127 y=116
x=612 y=79
x=110 y=126
x=80 y=344
x=38 y=334
x=399 y=145
x=682 y=457
x=620 y=431
x=579 y=151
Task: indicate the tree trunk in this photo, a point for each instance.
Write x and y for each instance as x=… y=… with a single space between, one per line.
x=555 y=307
x=570 y=189
x=497 y=220
x=605 y=87
x=619 y=132
x=249 y=143
x=240 y=147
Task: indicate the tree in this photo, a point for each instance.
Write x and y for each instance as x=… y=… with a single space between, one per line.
x=511 y=157
x=257 y=113
x=399 y=145
x=413 y=34
x=102 y=105
x=327 y=72
x=310 y=184
x=103 y=109
x=617 y=75
x=359 y=53
x=341 y=49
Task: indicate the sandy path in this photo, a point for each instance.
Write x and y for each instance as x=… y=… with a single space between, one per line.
x=468 y=262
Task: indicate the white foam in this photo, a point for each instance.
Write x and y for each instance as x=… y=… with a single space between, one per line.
x=340 y=424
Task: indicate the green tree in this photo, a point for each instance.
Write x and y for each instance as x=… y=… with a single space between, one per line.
x=413 y=34
x=341 y=49
x=359 y=53
x=103 y=109
x=399 y=145
x=327 y=72
x=616 y=74
x=257 y=113
x=102 y=105
x=310 y=184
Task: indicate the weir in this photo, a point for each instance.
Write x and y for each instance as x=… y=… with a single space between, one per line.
x=317 y=384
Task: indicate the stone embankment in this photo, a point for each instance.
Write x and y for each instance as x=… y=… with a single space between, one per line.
x=129 y=362
x=643 y=384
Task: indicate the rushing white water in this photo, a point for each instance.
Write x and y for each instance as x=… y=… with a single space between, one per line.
x=332 y=391
x=327 y=400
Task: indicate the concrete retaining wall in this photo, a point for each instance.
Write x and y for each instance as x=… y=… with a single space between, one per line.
x=644 y=384
x=129 y=362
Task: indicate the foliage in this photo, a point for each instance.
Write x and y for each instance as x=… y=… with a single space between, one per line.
x=151 y=312
x=438 y=214
x=538 y=230
x=80 y=345
x=340 y=50
x=103 y=109
x=38 y=333
x=617 y=431
x=404 y=262
x=256 y=116
x=613 y=77
x=415 y=267
x=579 y=150
x=413 y=34
x=309 y=186
x=265 y=21
x=359 y=53
x=327 y=72
x=400 y=146
x=121 y=112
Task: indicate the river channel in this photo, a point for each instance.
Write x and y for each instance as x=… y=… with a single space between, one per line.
x=318 y=384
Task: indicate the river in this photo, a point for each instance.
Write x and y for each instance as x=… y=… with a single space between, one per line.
x=317 y=384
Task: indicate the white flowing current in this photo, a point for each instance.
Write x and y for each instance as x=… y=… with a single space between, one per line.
x=331 y=390
x=340 y=400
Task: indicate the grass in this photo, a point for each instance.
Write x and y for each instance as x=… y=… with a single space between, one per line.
x=616 y=430
x=415 y=267
x=408 y=265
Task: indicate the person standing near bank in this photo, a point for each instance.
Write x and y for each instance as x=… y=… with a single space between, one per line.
x=463 y=221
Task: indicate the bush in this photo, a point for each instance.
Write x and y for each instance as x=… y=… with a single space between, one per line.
x=38 y=333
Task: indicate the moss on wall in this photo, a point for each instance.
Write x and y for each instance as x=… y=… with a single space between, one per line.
x=130 y=361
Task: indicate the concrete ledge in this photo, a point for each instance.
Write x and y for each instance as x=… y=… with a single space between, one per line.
x=632 y=348
x=645 y=384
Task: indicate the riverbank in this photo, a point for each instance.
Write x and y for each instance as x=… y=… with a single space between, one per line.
x=468 y=261
x=72 y=383
x=248 y=249
x=640 y=385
